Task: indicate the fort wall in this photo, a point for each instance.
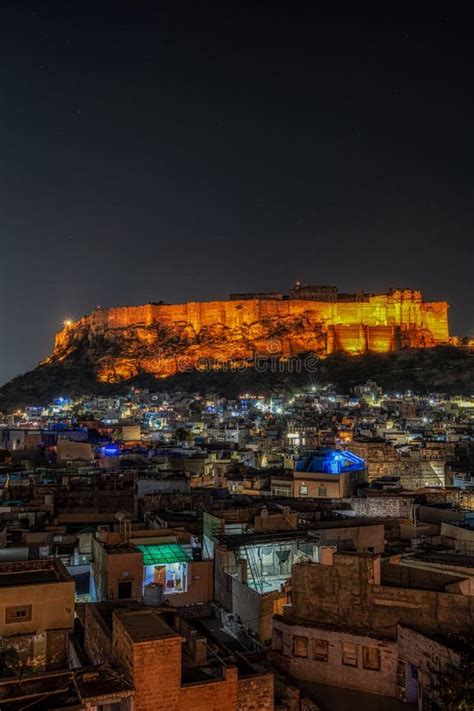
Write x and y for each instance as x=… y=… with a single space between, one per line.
x=238 y=330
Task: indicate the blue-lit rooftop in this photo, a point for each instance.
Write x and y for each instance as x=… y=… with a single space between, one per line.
x=330 y=461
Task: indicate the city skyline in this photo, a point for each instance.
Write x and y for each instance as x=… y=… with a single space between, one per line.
x=236 y=357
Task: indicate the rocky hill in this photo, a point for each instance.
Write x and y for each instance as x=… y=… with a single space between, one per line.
x=441 y=369
x=164 y=339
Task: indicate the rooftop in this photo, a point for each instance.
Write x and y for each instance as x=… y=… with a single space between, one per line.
x=237 y=540
x=64 y=689
x=160 y=554
x=33 y=572
x=445 y=558
x=143 y=625
x=288 y=618
x=330 y=461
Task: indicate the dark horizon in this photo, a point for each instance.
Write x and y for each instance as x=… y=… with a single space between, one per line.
x=157 y=152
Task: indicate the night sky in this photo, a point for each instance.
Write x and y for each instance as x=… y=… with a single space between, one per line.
x=180 y=151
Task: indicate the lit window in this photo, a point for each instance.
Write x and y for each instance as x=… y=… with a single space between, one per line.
x=300 y=646
x=371 y=658
x=303 y=490
x=320 y=650
x=176 y=577
x=20 y=613
x=281 y=491
x=350 y=654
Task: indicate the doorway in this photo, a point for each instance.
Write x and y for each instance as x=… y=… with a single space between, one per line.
x=124 y=590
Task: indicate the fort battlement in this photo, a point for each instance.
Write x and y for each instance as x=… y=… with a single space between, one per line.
x=153 y=337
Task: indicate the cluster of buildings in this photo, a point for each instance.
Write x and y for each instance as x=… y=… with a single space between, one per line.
x=188 y=552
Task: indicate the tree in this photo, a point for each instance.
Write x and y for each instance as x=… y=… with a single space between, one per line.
x=455 y=684
x=10 y=663
x=182 y=435
x=5 y=456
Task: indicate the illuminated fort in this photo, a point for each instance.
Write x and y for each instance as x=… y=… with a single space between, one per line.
x=162 y=339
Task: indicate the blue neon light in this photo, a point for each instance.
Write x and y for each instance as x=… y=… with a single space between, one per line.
x=330 y=461
x=111 y=451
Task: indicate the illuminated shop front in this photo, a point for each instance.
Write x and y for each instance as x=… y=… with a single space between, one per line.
x=166 y=563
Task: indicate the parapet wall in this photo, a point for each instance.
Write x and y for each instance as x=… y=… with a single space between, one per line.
x=359 y=592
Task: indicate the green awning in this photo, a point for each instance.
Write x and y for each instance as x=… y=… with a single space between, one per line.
x=163 y=553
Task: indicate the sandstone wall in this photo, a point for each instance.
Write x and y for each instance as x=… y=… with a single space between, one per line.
x=333 y=671
x=256 y=692
x=349 y=593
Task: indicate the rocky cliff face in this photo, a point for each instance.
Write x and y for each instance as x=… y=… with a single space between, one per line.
x=162 y=340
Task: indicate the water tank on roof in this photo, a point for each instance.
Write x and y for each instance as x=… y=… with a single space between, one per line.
x=153 y=594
